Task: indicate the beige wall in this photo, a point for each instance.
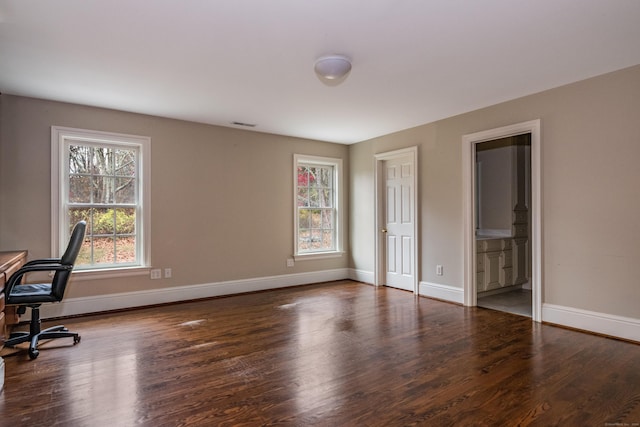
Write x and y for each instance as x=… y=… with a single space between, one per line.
x=590 y=143
x=221 y=199
x=218 y=179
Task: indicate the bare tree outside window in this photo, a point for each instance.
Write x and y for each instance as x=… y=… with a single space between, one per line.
x=102 y=190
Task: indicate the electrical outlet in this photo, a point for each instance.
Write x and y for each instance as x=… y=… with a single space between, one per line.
x=439 y=270
x=167 y=273
x=156 y=273
x=290 y=262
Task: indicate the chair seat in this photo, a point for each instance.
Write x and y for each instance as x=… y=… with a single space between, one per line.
x=31 y=293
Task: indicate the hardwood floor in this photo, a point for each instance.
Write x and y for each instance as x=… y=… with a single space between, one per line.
x=335 y=354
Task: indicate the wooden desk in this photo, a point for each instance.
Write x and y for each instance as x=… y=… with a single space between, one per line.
x=10 y=262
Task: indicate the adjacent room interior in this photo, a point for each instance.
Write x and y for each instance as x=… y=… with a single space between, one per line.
x=503 y=224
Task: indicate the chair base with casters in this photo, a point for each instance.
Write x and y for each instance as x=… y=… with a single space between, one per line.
x=35 y=334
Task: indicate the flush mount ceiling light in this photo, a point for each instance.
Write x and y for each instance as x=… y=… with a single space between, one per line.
x=332 y=69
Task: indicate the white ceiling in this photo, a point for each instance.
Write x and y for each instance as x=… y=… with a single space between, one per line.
x=251 y=61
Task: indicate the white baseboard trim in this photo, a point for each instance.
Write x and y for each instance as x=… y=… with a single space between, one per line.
x=591 y=321
x=442 y=292
x=361 y=276
x=96 y=304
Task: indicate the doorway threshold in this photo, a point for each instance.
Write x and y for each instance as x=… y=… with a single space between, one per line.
x=517 y=301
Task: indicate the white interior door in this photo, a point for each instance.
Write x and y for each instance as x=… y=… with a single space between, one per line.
x=399 y=224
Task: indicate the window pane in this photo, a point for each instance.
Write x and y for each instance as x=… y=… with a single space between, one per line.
x=303 y=197
x=304 y=239
x=327 y=219
x=76 y=215
x=80 y=189
x=314 y=197
x=303 y=218
x=326 y=198
x=103 y=189
x=103 y=221
x=125 y=221
x=316 y=218
x=103 y=250
x=79 y=214
x=325 y=177
x=84 y=256
x=79 y=159
x=102 y=161
x=125 y=249
x=313 y=176
x=125 y=163
x=125 y=190
x=327 y=239
x=303 y=176
x=316 y=239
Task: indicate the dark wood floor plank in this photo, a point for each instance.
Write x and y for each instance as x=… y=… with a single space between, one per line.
x=335 y=354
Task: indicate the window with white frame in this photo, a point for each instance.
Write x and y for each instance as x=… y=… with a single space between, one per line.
x=103 y=179
x=317 y=211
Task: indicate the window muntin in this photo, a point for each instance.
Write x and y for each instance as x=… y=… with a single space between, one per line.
x=316 y=205
x=100 y=180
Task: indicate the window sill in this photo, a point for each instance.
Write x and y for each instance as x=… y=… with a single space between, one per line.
x=318 y=255
x=110 y=273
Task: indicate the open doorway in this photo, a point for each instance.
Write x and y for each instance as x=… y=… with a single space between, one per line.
x=503 y=224
x=471 y=267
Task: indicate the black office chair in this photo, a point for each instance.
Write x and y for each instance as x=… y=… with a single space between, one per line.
x=33 y=295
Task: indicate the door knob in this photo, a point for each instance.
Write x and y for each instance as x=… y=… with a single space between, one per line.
x=384 y=230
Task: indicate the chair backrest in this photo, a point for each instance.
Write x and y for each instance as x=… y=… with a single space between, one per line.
x=60 y=279
x=75 y=243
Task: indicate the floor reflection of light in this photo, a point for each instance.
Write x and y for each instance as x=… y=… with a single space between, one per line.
x=106 y=386
x=315 y=364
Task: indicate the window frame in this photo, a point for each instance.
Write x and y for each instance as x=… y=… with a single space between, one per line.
x=336 y=163
x=61 y=139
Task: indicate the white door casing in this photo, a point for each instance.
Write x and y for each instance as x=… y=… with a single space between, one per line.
x=396 y=219
x=468 y=179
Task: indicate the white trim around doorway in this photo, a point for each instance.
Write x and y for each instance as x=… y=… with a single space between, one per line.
x=468 y=183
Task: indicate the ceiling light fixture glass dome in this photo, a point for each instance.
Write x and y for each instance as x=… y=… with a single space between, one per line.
x=332 y=69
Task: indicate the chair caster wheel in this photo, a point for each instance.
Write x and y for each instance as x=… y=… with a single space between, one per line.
x=76 y=339
x=33 y=354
